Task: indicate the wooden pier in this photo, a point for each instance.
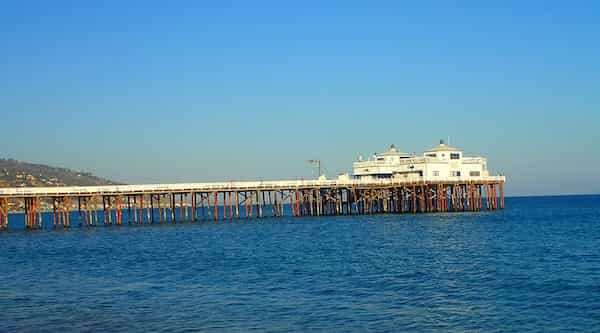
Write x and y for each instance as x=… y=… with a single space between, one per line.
x=176 y=203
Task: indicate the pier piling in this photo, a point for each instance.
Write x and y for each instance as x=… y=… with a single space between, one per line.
x=259 y=200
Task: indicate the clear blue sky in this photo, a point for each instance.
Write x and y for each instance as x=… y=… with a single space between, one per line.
x=172 y=91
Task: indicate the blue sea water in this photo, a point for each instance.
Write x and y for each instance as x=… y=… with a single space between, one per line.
x=534 y=267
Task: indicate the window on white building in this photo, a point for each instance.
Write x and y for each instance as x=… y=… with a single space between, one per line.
x=436 y=173
x=474 y=173
x=431 y=155
x=455 y=173
x=454 y=156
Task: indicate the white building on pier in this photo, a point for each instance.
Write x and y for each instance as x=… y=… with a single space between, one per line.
x=440 y=163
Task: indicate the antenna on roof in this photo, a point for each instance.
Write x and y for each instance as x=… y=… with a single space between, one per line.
x=448 y=140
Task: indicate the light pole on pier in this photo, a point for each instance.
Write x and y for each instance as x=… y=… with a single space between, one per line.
x=318 y=163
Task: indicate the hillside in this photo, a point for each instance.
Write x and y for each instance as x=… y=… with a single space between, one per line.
x=15 y=173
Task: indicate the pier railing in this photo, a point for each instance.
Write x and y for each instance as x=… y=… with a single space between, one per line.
x=221 y=186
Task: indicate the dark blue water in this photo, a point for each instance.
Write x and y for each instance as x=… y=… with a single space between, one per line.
x=532 y=267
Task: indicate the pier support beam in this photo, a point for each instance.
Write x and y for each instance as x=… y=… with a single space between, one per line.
x=216 y=205
x=30 y=206
x=237 y=205
x=3 y=214
x=194 y=207
x=118 y=212
x=501 y=195
x=172 y=196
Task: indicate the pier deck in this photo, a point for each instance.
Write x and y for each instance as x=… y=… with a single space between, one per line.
x=169 y=203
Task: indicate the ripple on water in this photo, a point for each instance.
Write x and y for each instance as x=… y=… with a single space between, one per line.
x=534 y=266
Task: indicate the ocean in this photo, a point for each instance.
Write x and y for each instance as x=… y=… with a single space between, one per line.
x=533 y=267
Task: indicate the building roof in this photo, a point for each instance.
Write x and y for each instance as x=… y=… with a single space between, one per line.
x=392 y=152
x=442 y=147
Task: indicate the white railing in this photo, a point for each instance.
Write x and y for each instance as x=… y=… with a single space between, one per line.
x=473 y=160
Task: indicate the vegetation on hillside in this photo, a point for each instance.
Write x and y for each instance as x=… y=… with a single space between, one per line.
x=15 y=173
